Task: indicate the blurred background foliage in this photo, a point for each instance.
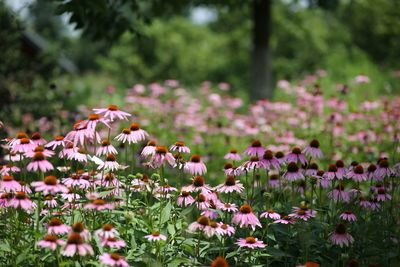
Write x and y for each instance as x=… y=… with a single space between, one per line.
x=43 y=55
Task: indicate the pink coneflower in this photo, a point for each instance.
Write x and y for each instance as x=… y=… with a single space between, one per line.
x=50 y=185
x=21 y=200
x=125 y=136
x=383 y=170
x=340 y=237
x=50 y=202
x=185 y=199
x=17 y=139
x=108 y=180
x=113 y=242
x=8 y=184
x=225 y=229
x=57 y=227
x=5 y=199
x=229 y=169
x=333 y=173
x=198 y=184
x=313 y=150
x=293 y=172
x=80 y=155
x=200 y=224
x=302 y=213
x=348 y=215
x=233 y=155
x=250 y=242
x=274 y=181
x=269 y=161
x=149 y=149
x=156 y=236
x=113 y=260
x=339 y=194
x=371 y=171
x=252 y=164
x=195 y=166
x=341 y=169
x=6 y=169
x=112 y=112
x=255 y=149
x=37 y=139
x=13 y=157
x=245 y=217
x=161 y=156
x=56 y=142
x=80 y=134
x=76 y=179
x=229 y=207
x=46 y=152
x=210 y=213
x=109 y=164
x=107 y=231
x=76 y=245
x=357 y=174
x=99 y=204
x=68 y=151
x=382 y=195
x=296 y=156
x=50 y=242
x=311 y=170
x=138 y=134
x=285 y=220
x=23 y=145
x=39 y=162
x=180 y=147
x=270 y=214
x=230 y=185
x=106 y=148
x=92 y=121
x=202 y=202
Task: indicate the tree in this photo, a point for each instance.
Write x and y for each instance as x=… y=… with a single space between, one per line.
x=104 y=19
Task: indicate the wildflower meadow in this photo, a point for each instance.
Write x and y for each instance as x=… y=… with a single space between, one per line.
x=171 y=177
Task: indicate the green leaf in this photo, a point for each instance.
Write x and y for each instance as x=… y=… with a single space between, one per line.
x=166 y=213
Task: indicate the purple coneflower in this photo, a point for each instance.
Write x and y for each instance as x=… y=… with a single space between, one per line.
x=125 y=136
x=252 y=164
x=110 y=163
x=149 y=149
x=225 y=229
x=296 y=156
x=50 y=185
x=113 y=242
x=185 y=199
x=50 y=202
x=341 y=169
x=76 y=245
x=80 y=155
x=303 y=213
x=37 y=139
x=46 y=152
x=340 y=237
x=255 y=150
x=293 y=172
x=155 y=236
x=50 y=242
x=92 y=121
x=348 y=215
x=23 y=145
x=383 y=170
x=339 y=194
x=56 y=142
x=357 y=174
x=382 y=195
x=107 y=231
x=274 y=181
x=270 y=214
x=112 y=112
x=8 y=184
x=106 y=148
x=245 y=217
x=230 y=185
x=285 y=220
x=269 y=161
x=333 y=173
x=137 y=133
x=229 y=207
x=180 y=147
x=113 y=260
x=57 y=227
x=160 y=156
x=195 y=166
x=99 y=204
x=233 y=155
x=313 y=150
x=21 y=200
x=250 y=242
x=311 y=170
x=39 y=162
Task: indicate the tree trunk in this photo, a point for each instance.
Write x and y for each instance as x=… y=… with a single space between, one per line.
x=261 y=74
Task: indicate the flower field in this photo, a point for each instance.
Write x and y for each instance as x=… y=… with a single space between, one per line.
x=170 y=177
